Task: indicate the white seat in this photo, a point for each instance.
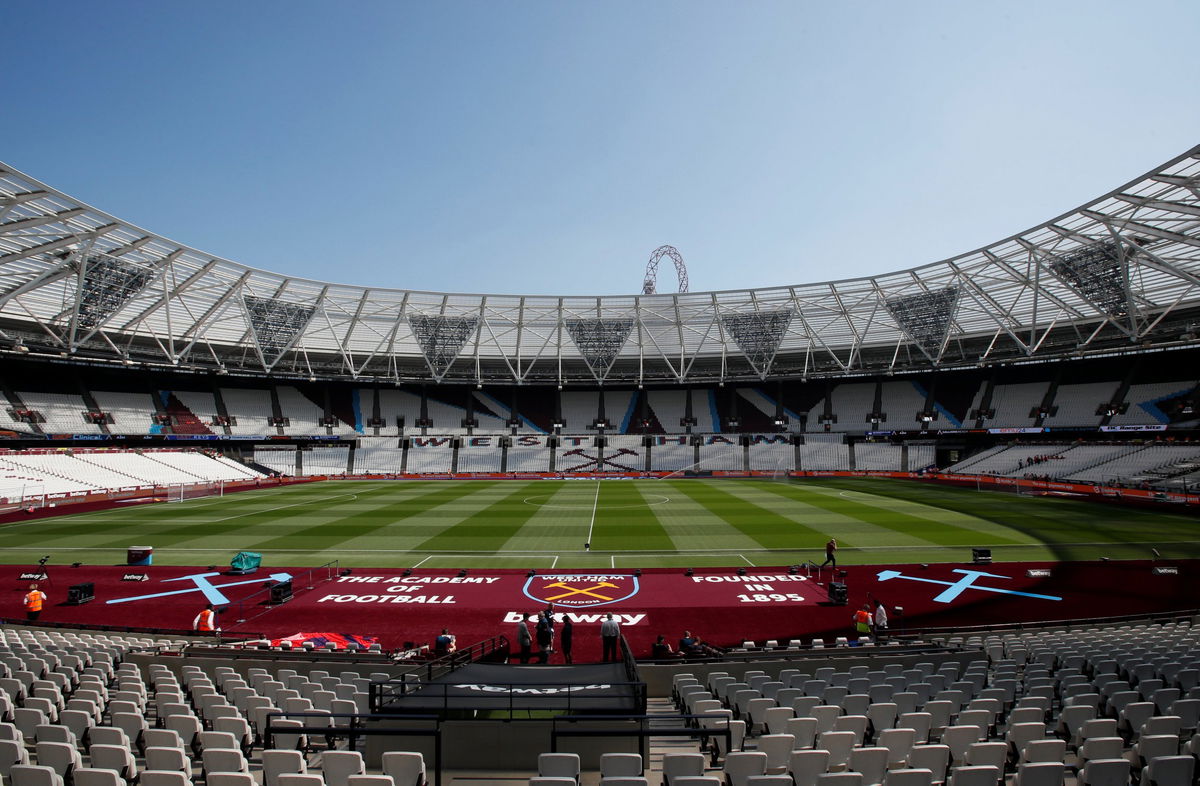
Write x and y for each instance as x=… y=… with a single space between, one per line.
x=222 y=760
x=982 y=775
x=229 y=779
x=168 y=760
x=1105 y=772
x=681 y=765
x=908 y=778
x=740 y=765
x=281 y=762
x=871 y=763
x=935 y=758
x=839 y=744
x=340 y=765
x=778 y=748
x=406 y=768
x=628 y=780
x=899 y=742
x=371 y=780
x=558 y=766
x=1169 y=771
x=613 y=765
x=993 y=753
x=95 y=776
x=11 y=753
x=60 y=756
x=34 y=775
x=840 y=779
x=114 y=757
x=292 y=779
x=1042 y=773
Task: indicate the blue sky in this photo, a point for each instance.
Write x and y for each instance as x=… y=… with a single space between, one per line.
x=548 y=148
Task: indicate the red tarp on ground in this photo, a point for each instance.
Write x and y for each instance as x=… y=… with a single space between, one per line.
x=717 y=604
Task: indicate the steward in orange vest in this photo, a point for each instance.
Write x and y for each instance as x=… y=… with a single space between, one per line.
x=862 y=620
x=33 y=602
x=206 y=621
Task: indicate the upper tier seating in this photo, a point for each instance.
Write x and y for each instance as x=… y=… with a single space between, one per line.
x=1143 y=399
x=1076 y=405
x=64 y=413
x=901 y=401
x=303 y=416
x=1013 y=403
x=250 y=410
x=851 y=403
x=131 y=413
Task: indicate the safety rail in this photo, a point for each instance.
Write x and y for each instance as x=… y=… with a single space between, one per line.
x=305 y=580
x=643 y=732
x=565 y=696
x=357 y=728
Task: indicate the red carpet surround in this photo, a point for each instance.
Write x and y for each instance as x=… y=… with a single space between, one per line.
x=722 y=606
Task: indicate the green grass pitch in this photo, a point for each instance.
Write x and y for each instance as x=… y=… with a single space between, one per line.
x=644 y=523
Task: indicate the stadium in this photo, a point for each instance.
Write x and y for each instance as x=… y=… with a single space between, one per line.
x=1001 y=446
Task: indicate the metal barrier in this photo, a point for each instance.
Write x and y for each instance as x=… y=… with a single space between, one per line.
x=642 y=732
x=382 y=693
x=240 y=609
x=356 y=728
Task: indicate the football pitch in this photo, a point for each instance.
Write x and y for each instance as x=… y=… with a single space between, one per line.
x=545 y=524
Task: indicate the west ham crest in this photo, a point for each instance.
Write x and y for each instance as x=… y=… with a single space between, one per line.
x=581 y=590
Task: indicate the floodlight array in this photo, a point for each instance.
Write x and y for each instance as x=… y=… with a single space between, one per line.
x=758 y=334
x=276 y=324
x=107 y=285
x=599 y=341
x=926 y=317
x=1097 y=273
x=441 y=338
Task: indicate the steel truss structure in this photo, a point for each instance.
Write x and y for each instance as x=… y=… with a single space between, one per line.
x=1119 y=274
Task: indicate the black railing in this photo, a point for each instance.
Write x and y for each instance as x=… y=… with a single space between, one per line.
x=505 y=697
x=242 y=609
x=356 y=727
x=582 y=726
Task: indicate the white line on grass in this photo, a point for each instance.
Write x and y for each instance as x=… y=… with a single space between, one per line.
x=748 y=562
x=422 y=562
x=595 y=502
x=554 y=564
x=612 y=561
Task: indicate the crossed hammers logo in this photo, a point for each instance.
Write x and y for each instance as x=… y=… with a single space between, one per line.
x=589 y=591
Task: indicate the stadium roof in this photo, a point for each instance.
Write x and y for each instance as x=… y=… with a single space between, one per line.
x=1121 y=273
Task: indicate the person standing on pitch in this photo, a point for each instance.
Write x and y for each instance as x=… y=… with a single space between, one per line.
x=830 y=553
x=34 y=599
x=545 y=634
x=610 y=633
x=524 y=639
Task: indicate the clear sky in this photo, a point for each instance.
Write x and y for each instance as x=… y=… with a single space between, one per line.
x=549 y=147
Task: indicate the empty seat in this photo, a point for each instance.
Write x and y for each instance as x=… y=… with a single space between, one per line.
x=681 y=765
x=338 y=766
x=740 y=765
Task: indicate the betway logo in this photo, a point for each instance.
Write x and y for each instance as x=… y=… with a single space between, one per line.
x=532 y=691
x=582 y=619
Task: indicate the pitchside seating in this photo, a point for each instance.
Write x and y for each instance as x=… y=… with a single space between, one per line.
x=277 y=458
x=1105 y=705
x=429 y=454
x=479 y=458
x=325 y=460
x=819 y=453
x=672 y=455
x=772 y=456
x=624 y=454
x=378 y=455
x=877 y=456
x=722 y=455
x=529 y=458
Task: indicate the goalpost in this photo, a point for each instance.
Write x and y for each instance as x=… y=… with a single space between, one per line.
x=179 y=492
